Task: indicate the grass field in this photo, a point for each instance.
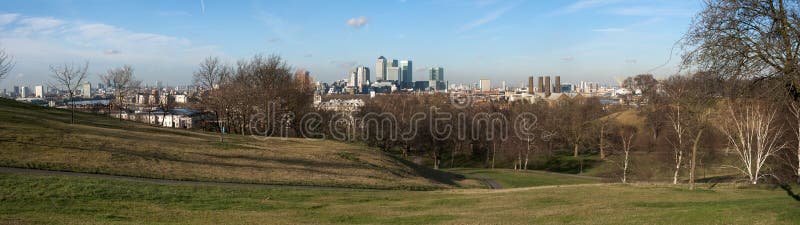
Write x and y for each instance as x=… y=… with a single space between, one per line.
x=42 y=138
x=515 y=179
x=26 y=199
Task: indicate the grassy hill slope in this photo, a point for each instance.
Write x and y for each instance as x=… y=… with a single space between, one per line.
x=42 y=138
x=36 y=199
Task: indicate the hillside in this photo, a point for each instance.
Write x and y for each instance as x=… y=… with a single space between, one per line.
x=37 y=199
x=42 y=138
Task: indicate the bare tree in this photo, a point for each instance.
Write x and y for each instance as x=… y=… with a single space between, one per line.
x=122 y=81
x=210 y=76
x=6 y=63
x=753 y=135
x=748 y=39
x=70 y=77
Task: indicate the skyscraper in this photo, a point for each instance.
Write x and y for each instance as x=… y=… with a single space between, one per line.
x=353 y=75
x=530 y=85
x=380 y=69
x=23 y=92
x=16 y=91
x=406 y=73
x=557 y=88
x=547 y=86
x=363 y=76
x=39 y=91
x=436 y=73
x=392 y=70
x=541 y=84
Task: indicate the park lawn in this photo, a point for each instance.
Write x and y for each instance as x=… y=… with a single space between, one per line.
x=514 y=179
x=42 y=138
x=68 y=200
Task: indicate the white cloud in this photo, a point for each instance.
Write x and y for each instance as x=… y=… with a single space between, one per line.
x=8 y=18
x=357 y=22
x=40 y=41
x=32 y=25
x=583 y=5
x=650 y=11
x=609 y=30
x=489 y=17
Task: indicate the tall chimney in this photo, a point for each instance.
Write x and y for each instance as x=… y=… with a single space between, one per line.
x=558 y=85
x=547 y=86
x=541 y=84
x=530 y=85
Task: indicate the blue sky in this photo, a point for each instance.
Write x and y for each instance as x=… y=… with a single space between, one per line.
x=594 y=40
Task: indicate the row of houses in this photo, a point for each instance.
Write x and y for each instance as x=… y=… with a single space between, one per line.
x=176 y=118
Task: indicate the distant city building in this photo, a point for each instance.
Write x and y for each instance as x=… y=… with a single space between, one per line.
x=23 y=92
x=485 y=85
x=86 y=90
x=393 y=71
x=406 y=72
x=363 y=76
x=381 y=69
x=436 y=73
x=39 y=91
x=16 y=91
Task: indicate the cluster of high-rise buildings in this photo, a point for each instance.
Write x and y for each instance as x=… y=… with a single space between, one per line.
x=390 y=75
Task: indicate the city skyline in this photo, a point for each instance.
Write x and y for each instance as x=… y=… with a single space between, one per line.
x=506 y=40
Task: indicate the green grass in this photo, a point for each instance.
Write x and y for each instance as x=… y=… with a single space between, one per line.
x=514 y=179
x=42 y=138
x=80 y=200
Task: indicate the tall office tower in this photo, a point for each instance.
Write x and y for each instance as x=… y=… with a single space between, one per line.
x=530 y=85
x=392 y=71
x=547 y=86
x=363 y=76
x=436 y=73
x=86 y=90
x=557 y=88
x=485 y=85
x=39 y=91
x=406 y=73
x=541 y=85
x=23 y=92
x=353 y=81
x=380 y=69
x=16 y=91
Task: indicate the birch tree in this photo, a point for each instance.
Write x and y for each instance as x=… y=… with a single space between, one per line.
x=70 y=77
x=626 y=135
x=753 y=135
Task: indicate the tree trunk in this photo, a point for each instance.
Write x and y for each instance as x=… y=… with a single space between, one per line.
x=494 y=152
x=694 y=159
x=576 y=150
x=677 y=167
x=602 y=150
x=72 y=106
x=625 y=168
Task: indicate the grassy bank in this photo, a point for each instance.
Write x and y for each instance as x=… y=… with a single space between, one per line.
x=42 y=138
x=60 y=200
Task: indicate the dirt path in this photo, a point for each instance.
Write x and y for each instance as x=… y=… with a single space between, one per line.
x=167 y=181
x=492 y=183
